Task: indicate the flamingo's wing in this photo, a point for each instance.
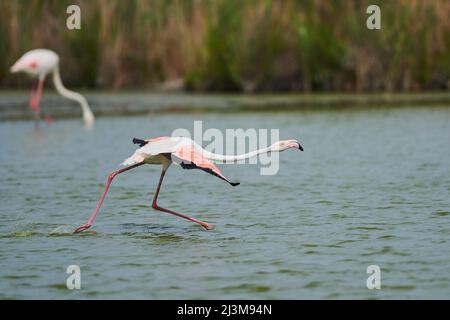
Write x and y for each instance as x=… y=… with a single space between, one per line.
x=188 y=157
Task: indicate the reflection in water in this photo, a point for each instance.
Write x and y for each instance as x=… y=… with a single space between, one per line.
x=37 y=132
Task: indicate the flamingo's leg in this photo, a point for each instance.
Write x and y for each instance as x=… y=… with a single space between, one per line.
x=108 y=183
x=32 y=94
x=155 y=206
x=32 y=101
x=35 y=99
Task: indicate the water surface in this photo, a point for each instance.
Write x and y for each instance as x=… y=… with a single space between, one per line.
x=372 y=187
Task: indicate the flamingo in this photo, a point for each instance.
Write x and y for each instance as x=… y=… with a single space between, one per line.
x=39 y=63
x=189 y=155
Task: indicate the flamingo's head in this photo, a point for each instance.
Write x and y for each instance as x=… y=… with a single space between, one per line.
x=286 y=144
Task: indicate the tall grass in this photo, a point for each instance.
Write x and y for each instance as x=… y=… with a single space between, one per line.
x=232 y=45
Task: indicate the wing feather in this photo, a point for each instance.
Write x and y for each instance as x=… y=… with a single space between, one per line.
x=188 y=157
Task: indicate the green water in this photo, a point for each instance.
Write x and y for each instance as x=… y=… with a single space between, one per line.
x=372 y=187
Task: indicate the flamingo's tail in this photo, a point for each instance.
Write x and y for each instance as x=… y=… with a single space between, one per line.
x=134 y=159
x=137 y=157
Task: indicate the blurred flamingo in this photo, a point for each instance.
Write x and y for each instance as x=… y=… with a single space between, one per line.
x=39 y=63
x=189 y=155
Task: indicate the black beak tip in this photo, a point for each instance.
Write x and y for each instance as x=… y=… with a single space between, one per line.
x=300 y=147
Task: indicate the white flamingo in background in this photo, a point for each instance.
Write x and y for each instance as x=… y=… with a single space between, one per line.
x=189 y=155
x=39 y=63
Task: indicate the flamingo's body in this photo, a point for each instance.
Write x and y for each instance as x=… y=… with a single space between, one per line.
x=189 y=155
x=39 y=63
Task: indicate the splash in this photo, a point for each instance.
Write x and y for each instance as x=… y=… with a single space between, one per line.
x=62 y=231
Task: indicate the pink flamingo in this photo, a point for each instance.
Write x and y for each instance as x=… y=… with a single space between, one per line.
x=189 y=155
x=39 y=63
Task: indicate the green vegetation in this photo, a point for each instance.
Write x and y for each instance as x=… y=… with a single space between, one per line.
x=231 y=45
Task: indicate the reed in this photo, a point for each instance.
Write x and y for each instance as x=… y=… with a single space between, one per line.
x=230 y=45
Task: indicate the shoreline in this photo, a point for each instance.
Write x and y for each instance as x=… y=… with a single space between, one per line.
x=14 y=104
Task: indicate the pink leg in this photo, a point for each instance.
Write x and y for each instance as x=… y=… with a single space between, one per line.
x=97 y=209
x=32 y=95
x=155 y=206
x=35 y=99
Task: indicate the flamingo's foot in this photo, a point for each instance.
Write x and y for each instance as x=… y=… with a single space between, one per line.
x=82 y=228
x=208 y=226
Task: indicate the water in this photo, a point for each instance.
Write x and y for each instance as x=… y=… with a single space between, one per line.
x=372 y=187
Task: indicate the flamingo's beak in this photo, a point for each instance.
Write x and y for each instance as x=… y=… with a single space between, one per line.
x=13 y=69
x=300 y=146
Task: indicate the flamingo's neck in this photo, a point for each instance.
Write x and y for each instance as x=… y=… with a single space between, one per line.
x=233 y=158
x=88 y=116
